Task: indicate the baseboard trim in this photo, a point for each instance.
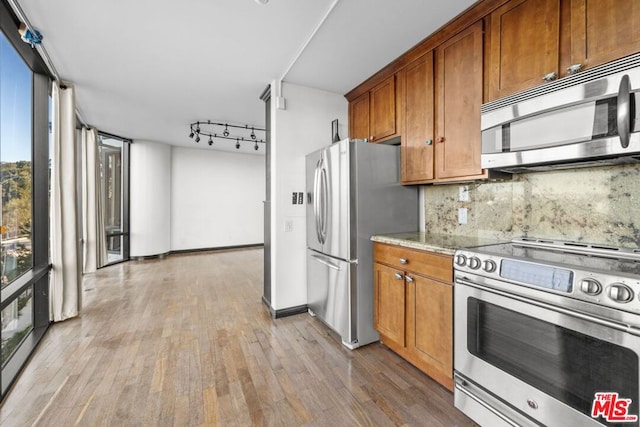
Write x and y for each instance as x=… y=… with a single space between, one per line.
x=198 y=250
x=290 y=311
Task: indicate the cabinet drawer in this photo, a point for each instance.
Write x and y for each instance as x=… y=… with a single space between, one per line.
x=428 y=264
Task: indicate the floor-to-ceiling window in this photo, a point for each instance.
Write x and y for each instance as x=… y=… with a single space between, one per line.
x=24 y=256
x=114 y=172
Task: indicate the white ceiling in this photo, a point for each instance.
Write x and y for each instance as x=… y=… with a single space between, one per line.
x=146 y=69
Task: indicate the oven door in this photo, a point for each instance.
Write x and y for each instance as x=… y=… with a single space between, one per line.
x=541 y=363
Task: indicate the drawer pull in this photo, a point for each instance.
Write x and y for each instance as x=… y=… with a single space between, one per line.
x=399 y=276
x=404 y=261
x=409 y=279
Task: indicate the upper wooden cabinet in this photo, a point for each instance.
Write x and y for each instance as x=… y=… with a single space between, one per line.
x=418 y=134
x=359 y=117
x=374 y=114
x=531 y=40
x=603 y=30
x=441 y=139
x=525 y=45
x=459 y=84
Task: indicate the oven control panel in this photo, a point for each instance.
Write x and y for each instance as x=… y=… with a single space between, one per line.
x=609 y=289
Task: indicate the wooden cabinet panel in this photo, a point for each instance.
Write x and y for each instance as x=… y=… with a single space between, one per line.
x=429 y=264
x=418 y=134
x=359 y=117
x=603 y=30
x=413 y=310
x=389 y=297
x=433 y=310
x=382 y=121
x=459 y=87
x=525 y=37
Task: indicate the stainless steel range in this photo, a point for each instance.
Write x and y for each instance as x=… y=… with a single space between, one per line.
x=547 y=333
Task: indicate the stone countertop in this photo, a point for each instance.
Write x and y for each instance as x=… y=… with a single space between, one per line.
x=439 y=243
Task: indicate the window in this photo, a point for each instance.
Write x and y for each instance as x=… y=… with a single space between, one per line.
x=24 y=213
x=15 y=163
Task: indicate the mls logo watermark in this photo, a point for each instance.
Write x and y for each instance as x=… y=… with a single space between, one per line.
x=612 y=408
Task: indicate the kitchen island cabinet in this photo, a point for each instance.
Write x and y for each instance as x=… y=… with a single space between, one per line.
x=413 y=297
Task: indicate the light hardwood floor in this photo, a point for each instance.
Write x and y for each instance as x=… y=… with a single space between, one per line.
x=186 y=341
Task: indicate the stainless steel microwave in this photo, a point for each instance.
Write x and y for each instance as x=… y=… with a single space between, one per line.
x=586 y=119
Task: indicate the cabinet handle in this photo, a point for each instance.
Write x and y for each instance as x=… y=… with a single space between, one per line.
x=550 y=77
x=404 y=261
x=428 y=142
x=441 y=139
x=399 y=276
x=409 y=279
x=371 y=138
x=572 y=69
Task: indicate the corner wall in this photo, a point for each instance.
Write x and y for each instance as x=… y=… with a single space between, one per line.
x=304 y=126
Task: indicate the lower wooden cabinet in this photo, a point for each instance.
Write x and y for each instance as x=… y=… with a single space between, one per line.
x=413 y=307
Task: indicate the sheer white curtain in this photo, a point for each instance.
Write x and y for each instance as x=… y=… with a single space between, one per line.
x=65 y=282
x=95 y=244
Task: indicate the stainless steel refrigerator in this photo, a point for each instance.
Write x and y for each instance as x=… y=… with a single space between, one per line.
x=353 y=192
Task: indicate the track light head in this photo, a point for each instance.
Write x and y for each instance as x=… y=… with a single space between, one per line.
x=253 y=135
x=210 y=140
x=226 y=131
x=197 y=138
x=255 y=147
x=191 y=135
x=237 y=144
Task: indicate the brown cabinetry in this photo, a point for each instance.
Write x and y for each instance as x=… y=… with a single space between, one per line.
x=441 y=139
x=536 y=40
x=525 y=45
x=413 y=297
x=603 y=30
x=374 y=114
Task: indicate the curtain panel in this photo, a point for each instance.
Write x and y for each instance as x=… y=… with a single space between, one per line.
x=95 y=244
x=65 y=282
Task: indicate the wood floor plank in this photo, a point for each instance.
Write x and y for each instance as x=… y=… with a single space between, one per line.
x=187 y=341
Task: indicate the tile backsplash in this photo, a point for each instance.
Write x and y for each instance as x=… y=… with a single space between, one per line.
x=594 y=205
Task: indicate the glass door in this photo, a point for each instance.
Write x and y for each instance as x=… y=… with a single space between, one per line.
x=114 y=171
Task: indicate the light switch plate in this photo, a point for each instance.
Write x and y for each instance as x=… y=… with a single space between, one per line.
x=462 y=215
x=463 y=195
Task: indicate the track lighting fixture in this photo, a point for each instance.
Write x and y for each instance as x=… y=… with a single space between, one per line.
x=238 y=133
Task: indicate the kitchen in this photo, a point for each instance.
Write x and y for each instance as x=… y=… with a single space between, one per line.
x=524 y=205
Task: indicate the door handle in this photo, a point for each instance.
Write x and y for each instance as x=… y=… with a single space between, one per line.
x=625 y=111
x=325 y=204
x=325 y=262
x=316 y=200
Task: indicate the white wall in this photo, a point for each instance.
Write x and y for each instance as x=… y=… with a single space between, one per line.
x=150 y=209
x=304 y=126
x=216 y=198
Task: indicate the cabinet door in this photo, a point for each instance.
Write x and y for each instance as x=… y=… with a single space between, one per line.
x=359 y=117
x=389 y=302
x=525 y=38
x=432 y=327
x=417 y=138
x=458 y=100
x=382 y=121
x=603 y=30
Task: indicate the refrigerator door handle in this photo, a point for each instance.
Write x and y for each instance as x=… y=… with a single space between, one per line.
x=316 y=200
x=325 y=204
x=325 y=262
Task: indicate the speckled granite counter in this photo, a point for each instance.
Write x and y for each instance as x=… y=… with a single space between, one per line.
x=439 y=243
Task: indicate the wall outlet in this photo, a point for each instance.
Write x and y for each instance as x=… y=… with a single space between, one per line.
x=462 y=215
x=288 y=226
x=463 y=195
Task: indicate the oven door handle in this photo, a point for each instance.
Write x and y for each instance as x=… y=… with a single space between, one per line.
x=615 y=325
x=460 y=386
